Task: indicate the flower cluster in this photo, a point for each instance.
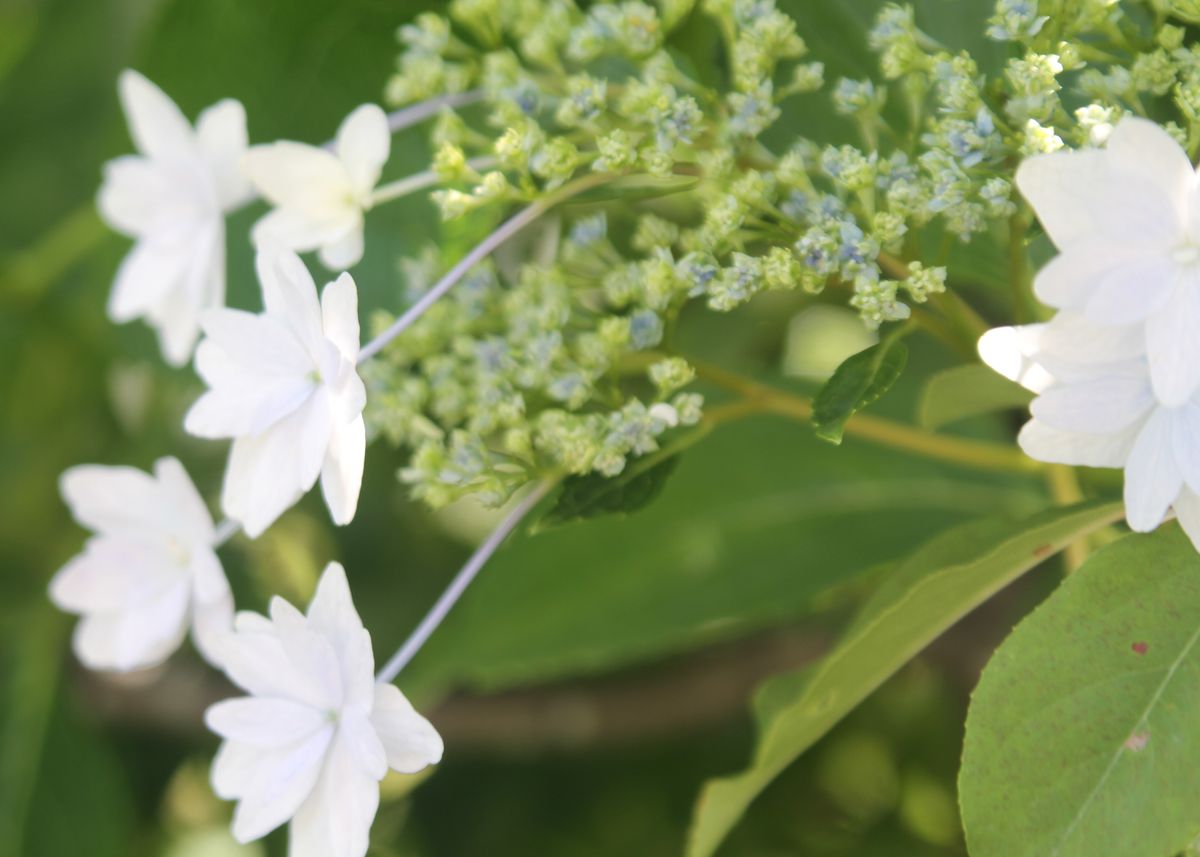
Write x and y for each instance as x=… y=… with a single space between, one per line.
x=1117 y=369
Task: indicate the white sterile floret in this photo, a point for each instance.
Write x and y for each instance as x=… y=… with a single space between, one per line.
x=316 y=734
x=1096 y=408
x=149 y=572
x=172 y=199
x=284 y=386
x=1126 y=220
x=320 y=196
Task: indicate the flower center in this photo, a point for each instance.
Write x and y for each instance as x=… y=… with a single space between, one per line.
x=1186 y=254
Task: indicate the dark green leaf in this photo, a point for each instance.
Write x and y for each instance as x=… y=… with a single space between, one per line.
x=1083 y=737
x=859 y=381
x=967 y=391
x=924 y=596
x=592 y=495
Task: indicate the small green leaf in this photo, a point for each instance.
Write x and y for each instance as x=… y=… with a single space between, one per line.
x=859 y=381
x=924 y=596
x=588 y=496
x=967 y=391
x=1083 y=737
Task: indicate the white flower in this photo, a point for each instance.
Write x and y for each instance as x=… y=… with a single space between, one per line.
x=172 y=199
x=320 y=196
x=317 y=734
x=1127 y=222
x=1096 y=408
x=283 y=385
x=150 y=571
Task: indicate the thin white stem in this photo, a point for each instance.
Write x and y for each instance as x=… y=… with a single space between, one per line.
x=417 y=113
x=480 y=252
x=225 y=531
x=460 y=583
x=420 y=181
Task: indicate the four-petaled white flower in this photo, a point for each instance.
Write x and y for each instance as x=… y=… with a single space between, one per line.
x=1126 y=220
x=284 y=386
x=172 y=199
x=320 y=196
x=148 y=573
x=317 y=734
x=1097 y=408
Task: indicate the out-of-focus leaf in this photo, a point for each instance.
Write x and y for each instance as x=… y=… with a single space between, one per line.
x=859 y=381
x=924 y=596
x=592 y=495
x=1082 y=738
x=967 y=391
x=757 y=521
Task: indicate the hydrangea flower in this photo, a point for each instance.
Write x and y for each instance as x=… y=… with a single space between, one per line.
x=320 y=196
x=284 y=386
x=1097 y=408
x=149 y=572
x=316 y=734
x=1126 y=221
x=172 y=199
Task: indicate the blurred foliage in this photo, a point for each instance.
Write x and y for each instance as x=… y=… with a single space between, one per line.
x=762 y=530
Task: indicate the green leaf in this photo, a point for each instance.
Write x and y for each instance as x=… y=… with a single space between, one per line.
x=859 y=381
x=755 y=524
x=592 y=495
x=1083 y=737
x=924 y=596
x=967 y=391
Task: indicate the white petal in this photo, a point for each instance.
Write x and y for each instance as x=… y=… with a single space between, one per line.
x=242 y=401
x=267 y=473
x=1152 y=476
x=302 y=231
x=410 y=740
x=113 y=499
x=136 y=637
x=260 y=722
x=292 y=666
x=135 y=195
x=339 y=315
x=1131 y=290
x=1144 y=148
x=363 y=142
x=158 y=128
x=1185 y=443
x=1070 y=278
x=336 y=819
x=360 y=740
x=186 y=508
x=1173 y=343
x=342 y=472
x=1071 y=338
x=221 y=132
x=273 y=786
x=305 y=178
x=332 y=614
x=1101 y=406
x=1055 y=446
x=1078 y=197
x=212 y=606
x=115 y=573
x=344 y=250
x=147 y=274
x=1187 y=509
x=1012 y=351
x=290 y=295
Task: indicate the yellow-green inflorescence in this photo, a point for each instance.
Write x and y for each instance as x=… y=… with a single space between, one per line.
x=559 y=365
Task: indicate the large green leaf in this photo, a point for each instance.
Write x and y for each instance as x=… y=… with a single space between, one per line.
x=1083 y=736
x=757 y=521
x=923 y=597
x=967 y=391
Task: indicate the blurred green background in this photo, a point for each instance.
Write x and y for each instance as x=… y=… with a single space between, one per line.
x=599 y=672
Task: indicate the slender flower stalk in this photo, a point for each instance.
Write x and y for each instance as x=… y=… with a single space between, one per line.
x=415 y=114
x=461 y=581
x=480 y=252
x=225 y=531
x=420 y=181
